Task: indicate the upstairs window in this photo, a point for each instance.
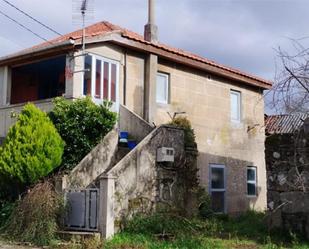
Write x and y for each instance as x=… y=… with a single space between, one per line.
x=87 y=75
x=251 y=181
x=40 y=80
x=162 y=95
x=100 y=78
x=235 y=106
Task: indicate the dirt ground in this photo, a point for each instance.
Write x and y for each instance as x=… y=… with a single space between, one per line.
x=5 y=245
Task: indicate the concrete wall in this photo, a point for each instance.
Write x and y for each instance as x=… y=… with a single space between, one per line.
x=139 y=185
x=135 y=75
x=6 y=121
x=207 y=105
x=95 y=163
x=137 y=127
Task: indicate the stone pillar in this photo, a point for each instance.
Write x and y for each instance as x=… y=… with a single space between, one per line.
x=150 y=88
x=106 y=212
x=61 y=183
x=69 y=76
x=5 y=86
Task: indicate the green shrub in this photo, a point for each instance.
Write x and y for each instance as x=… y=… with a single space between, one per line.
x=35 y=217
x=204 y=203
x=184 y=123
x=6 y=209
x=81 y=124
x=31 y=150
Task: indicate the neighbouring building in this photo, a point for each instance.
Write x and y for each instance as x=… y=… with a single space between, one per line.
x=287 y=150
x=153 y=80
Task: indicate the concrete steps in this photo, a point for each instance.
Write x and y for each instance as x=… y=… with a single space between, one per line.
x=78 y=236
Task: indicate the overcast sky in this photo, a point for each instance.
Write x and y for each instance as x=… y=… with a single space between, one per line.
x=239 y=33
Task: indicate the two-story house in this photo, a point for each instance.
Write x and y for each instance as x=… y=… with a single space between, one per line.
x=224 y=105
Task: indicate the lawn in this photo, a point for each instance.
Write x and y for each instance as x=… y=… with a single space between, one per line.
x=161 y=231
x=170 y=231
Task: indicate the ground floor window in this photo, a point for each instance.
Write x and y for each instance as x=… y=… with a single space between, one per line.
x=217 y=187
x=101 y=78
x=251 y=181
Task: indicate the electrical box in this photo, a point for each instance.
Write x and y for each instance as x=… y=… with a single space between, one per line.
x=165 y=154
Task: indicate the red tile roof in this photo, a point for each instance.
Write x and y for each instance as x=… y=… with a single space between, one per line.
x=101 y=28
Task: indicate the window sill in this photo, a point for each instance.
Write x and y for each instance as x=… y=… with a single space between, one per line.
x=237 y=124
x=162 y=104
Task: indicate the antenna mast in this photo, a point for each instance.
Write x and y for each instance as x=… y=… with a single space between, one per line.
x=83 y=11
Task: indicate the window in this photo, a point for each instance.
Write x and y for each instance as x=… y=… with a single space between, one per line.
x=162 y=88
x=217 y=187
x=101 y=79
x=235 y=106
x=251 y=181
x=87 y=75
x=38 y=80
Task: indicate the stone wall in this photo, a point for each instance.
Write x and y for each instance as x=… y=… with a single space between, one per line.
x=141 y=184
x=206 y=100
x=287 y=158
x=95 y=163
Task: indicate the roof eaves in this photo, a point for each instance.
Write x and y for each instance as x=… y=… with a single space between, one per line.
x=199 y=63
x=31 y=52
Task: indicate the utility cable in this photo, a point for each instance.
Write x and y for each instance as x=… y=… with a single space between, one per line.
x=32 y=18
x=23 y=26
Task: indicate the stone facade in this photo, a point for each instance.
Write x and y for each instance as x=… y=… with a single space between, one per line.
x=205 y=98
x=287 y=157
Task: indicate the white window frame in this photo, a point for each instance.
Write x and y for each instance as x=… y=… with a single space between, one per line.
x=252 y=181
x=218 y=166
x=167 y=87
x=239 y=105
x=94 y=59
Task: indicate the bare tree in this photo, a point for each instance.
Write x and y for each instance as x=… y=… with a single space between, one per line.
x=291 y=88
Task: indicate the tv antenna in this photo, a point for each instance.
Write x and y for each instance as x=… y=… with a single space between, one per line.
x=83 y=12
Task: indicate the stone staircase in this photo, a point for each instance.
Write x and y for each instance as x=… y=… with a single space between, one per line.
x=109 y=151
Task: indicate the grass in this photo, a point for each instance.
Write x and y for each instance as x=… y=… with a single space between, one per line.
x=248 y=231
x=162 y=231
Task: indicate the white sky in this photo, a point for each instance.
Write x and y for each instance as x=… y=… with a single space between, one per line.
x=239 y=33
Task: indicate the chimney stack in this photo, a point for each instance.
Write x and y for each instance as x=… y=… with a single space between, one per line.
x=151 y=29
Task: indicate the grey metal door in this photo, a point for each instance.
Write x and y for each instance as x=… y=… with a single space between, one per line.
x=82 y=209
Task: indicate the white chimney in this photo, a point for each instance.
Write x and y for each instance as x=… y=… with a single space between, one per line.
x=151 y=29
